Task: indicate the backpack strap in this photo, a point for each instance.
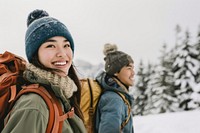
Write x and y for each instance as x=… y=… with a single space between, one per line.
x=125 y=100
x=129 y=109
x=91 y=109
x=56 y=116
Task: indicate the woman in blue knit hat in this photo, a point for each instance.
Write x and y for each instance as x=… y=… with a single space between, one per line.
x=49 y=50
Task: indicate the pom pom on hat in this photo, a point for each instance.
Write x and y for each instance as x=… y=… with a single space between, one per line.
x=41 y=27
x=36 y=14
x=109 y=48
x=114 y=59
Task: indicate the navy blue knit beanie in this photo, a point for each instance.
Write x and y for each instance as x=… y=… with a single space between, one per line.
x=41 y=27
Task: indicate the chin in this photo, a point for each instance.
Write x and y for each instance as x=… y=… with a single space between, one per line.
x=131 y=84
x=61 y=73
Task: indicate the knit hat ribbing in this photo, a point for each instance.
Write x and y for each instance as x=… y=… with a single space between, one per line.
x=115 y=60
x=41 y=27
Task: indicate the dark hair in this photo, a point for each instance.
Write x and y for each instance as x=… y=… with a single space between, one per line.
x=75 y=99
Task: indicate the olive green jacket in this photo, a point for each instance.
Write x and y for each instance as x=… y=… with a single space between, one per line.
x=30 y=113
x=32 y=108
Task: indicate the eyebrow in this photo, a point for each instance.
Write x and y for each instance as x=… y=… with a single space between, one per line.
x=130 y=65
x=52 y=40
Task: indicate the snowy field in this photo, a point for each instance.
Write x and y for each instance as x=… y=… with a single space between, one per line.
x=181 y=122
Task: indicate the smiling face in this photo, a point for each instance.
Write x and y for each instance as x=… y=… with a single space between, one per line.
x=126 y=75
x=56 y=53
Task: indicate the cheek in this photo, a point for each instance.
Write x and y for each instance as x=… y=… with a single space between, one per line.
x=69 y=53
x=123 y=75
x=120 y=76
x=44 y=56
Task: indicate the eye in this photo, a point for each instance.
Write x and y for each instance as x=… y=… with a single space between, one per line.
x=50 y=46
x=66 y=45
x=130 y=67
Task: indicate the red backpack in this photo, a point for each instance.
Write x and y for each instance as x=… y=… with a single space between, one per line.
x=11 y=69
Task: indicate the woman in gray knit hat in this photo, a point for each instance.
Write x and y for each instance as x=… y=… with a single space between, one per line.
x=113 y=113
x=49 y=50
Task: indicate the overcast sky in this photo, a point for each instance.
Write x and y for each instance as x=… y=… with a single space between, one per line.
x=138 y=27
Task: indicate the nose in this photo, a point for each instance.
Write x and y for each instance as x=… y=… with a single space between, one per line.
x=133 y=72
x=60 y=52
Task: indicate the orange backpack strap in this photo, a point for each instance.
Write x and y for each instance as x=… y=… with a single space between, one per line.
x=56 y=116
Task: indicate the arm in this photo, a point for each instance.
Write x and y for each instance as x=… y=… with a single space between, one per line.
x=111 y=108
x=28 y=115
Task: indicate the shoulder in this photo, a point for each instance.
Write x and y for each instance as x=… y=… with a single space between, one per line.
x=31 y=101
x=111 y=97
x=30 y=111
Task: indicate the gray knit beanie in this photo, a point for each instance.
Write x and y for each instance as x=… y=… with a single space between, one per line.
x=41 y=27
x=114 y=59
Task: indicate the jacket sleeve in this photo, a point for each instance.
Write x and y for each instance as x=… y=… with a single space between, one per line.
x=111 y=113
x=27 y=116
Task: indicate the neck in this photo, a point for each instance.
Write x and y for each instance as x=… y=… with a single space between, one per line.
x=121 y=83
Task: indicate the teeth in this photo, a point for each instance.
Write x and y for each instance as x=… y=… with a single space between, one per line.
x=59 y=63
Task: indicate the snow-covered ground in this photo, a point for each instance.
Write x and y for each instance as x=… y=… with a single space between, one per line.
x=180 y=122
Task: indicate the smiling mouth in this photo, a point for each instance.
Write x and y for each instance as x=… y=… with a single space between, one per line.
x=60 y=63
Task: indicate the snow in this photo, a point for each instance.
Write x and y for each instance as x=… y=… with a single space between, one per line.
x=179 y=122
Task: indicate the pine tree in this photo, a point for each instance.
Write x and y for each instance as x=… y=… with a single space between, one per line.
x=150 y=73
x=197 y=47
x=169 y=61
x=163 y=84
x=196 y=89
x=140 y=97
x=184 y=73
